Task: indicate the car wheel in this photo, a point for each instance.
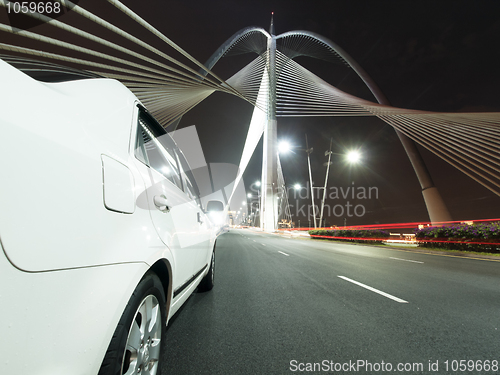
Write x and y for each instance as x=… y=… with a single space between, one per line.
x=136 y=344
x=207 y=283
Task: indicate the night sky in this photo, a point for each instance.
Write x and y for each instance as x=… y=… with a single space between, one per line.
x=429 y=55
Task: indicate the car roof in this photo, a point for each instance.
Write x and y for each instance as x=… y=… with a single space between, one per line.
x=99 y=108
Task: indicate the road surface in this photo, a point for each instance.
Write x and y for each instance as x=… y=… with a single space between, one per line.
x=284 y=306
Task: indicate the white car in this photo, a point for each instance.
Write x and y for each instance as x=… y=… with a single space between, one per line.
x=103 y=236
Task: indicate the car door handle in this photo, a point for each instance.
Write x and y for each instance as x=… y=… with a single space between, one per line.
x=161 y=203
x=199 y=218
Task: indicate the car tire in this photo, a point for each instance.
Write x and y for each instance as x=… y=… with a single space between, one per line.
x=137 y=342
x=207 y=283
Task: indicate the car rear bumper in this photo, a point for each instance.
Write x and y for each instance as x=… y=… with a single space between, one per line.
x=61 y=322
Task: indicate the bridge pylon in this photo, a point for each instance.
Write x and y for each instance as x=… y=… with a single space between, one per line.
x=269 y=184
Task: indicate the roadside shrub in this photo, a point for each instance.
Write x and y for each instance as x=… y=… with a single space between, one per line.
x=352 y=235
x=461 y=237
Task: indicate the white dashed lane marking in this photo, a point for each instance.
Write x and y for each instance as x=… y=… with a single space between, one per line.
x=374 y=290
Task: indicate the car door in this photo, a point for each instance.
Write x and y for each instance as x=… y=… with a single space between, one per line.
x=172 y=211
x=204 y=231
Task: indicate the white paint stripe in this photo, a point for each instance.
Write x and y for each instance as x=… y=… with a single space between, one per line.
x=407 y=260
x=283 y=253
x=374 y=290
x=264 y=244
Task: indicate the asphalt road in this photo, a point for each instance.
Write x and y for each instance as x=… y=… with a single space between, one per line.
x=282 y=305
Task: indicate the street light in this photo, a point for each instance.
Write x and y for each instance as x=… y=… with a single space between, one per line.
x=284 y=147
x=353 y=156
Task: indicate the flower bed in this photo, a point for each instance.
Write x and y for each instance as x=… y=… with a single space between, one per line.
x=483 y=237
x=351 y=235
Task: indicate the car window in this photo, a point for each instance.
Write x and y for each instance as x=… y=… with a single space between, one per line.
x=156 y=149
x=189 y=182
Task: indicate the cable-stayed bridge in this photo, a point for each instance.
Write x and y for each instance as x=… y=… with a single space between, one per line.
x=170 y=82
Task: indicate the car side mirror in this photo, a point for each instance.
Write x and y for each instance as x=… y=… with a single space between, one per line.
x=215 y=206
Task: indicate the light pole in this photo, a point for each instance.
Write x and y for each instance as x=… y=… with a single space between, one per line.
x=329 y=153
x=309 y=151
x=285 y=147
x=297 y=187
x=251 y=197
x=245 y=212
x=352 y=157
